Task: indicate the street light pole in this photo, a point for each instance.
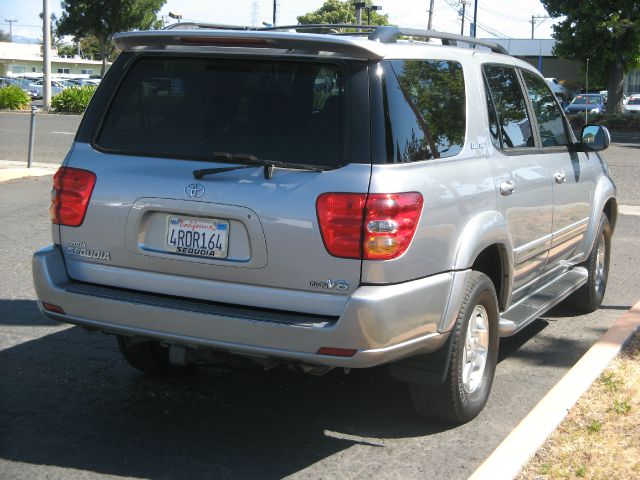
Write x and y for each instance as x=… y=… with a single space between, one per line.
x=46 y=55
x=430 y=22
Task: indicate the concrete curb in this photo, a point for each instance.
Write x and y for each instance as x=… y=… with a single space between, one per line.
x=11 y=170
x=508 y=459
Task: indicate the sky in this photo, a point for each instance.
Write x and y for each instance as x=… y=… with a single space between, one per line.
x=496 y=18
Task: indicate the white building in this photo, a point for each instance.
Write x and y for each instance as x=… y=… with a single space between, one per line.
x=24 y=59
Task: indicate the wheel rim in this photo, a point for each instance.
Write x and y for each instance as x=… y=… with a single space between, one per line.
x=601 y=254
x=476 y=348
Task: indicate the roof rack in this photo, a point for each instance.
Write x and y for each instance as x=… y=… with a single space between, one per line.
x=202 y=25
x=390 y=34
x=382 y=34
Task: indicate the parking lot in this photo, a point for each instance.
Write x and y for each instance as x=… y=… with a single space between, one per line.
x=72 y=408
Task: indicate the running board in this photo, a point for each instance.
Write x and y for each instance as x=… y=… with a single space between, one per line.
x=528 y=309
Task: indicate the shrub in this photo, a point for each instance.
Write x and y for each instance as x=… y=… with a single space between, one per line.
x=618 y=122
x=14 y=98
x=73 y=99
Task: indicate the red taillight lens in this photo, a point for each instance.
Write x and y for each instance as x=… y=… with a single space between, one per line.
x=390 y=222
x=379 y=226
x=340 y=216
x=70 y=197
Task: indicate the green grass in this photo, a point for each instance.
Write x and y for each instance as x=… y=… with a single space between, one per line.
x=14 y=98
x=73 y=99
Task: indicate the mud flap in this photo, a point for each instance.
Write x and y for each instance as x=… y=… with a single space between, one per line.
x=428 y=369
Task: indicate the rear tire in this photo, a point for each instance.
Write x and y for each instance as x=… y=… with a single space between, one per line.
x=472 y=365
x=150 y=357
x=589 y=297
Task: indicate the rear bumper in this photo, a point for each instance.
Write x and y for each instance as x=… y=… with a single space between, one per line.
x=383 y=323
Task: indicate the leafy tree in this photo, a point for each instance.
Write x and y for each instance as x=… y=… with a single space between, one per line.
x=56 y=39
x=104 y=19
x=4 y=37
x=337 y=11
x=607 y=32
x=67 y=50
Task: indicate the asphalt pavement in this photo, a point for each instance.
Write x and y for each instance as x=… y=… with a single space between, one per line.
x=70 y=407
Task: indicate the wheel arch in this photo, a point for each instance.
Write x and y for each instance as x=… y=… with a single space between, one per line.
x=605 y=202
x=485 y=245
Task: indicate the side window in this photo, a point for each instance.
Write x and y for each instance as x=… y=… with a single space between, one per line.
x=545 y=107
x=510 y=107
x=494 y=130
x=425 y=109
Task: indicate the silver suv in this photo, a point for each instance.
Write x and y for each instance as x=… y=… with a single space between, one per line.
x=326 y=201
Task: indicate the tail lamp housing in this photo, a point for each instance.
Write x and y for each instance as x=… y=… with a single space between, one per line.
x=377 y=226
x=72 y=189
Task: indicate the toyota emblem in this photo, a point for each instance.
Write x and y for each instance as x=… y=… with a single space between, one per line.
x=194 y=190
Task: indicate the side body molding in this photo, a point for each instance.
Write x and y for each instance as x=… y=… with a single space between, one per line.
x=482 y=231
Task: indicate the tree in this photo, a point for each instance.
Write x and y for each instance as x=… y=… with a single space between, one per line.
x=103 y=20
x=607 y=32
x=337 y=11
x=4 y=37
x=56 y=39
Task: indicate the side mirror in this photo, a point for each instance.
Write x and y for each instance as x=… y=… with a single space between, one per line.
x=593 y=138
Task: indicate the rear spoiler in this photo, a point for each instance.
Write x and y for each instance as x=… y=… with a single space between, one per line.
x=347 y=46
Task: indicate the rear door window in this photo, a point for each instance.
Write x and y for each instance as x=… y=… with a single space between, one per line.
x=513 y=126
x=290 y=111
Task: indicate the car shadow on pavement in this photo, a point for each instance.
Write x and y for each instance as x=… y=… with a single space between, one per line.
x=69 y=400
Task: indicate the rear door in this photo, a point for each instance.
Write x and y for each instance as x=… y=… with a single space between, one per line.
x=235 y=236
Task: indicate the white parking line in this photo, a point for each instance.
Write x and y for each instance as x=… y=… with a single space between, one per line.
x=629 y=210
x=65 y=133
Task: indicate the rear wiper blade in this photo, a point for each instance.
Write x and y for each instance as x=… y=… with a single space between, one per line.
x=251 y=161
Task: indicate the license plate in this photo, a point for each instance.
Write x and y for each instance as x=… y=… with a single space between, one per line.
x=197 y=236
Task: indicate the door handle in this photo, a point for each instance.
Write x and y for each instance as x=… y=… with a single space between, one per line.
x=507 y=188
x=560 y=177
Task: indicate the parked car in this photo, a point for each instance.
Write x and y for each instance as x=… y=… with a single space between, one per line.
x=57 y=86
x=632 y=106
x=7 y=81
x=558 y=89
x=590 y=102
x=411 y=207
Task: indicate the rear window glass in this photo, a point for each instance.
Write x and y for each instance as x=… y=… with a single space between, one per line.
x=194 y=107
x=425 y=109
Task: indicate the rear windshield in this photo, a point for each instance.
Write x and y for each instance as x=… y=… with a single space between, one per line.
x=289 y=111
x=587 y=99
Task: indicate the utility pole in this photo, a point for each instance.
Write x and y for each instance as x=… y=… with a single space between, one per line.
x=430 y=15
x=359 y=6
x=533 y=22
x=274 y=13
x=475 y=20
x=46 y=51
x=462 y=14
x=10 y=21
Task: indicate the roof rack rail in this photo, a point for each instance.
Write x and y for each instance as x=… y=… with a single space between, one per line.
x=389 y=34
x=316 y=26
x=202 y=25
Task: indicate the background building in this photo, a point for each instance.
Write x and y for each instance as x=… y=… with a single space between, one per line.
x=24 y=59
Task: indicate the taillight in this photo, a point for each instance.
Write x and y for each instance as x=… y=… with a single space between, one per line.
x=340 y=216
x=70 y=197
x=390 y=222
x=379 y=226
